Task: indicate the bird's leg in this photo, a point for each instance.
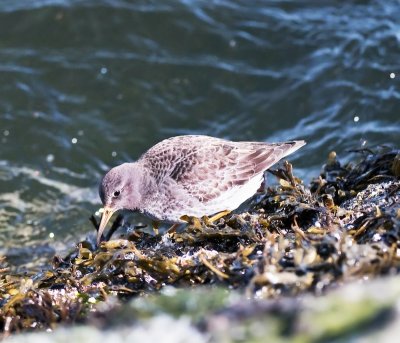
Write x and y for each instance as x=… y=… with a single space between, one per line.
x=156 y=226
x=215 y=217
x=118 y=222
x=194 y=221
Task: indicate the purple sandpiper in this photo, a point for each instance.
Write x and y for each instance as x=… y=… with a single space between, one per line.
x=191 y=176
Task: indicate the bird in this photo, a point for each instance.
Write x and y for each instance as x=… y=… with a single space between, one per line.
x=189 y=176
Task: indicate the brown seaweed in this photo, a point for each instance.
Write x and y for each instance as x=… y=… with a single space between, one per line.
x=293 y=239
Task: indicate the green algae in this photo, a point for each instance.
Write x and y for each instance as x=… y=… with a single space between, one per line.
x=293 y=240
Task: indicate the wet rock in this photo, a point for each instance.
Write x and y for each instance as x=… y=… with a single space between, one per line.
x=293 y=240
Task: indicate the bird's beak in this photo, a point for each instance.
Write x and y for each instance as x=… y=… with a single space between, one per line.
x=107 y=213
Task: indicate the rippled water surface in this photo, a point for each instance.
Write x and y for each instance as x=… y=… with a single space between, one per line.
x=85 y=85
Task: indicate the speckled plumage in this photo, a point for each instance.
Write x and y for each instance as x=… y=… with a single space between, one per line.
x=191 y=175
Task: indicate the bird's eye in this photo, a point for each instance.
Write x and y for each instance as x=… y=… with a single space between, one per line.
x=116 y=194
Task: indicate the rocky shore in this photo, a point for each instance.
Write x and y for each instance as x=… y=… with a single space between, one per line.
x=297 y=249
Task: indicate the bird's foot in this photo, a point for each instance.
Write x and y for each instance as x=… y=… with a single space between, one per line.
x=197 y=223
x=215 y=217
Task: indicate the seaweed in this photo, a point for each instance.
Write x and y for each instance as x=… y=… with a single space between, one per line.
x=293 y=239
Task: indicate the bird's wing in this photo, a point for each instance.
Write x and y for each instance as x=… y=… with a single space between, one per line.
x=207 y=170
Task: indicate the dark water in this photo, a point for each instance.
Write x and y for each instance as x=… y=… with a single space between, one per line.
x=85 y=85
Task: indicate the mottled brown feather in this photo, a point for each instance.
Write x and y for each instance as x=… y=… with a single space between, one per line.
x=205 y=167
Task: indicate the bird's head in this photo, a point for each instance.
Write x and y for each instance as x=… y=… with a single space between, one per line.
x=119 y=189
